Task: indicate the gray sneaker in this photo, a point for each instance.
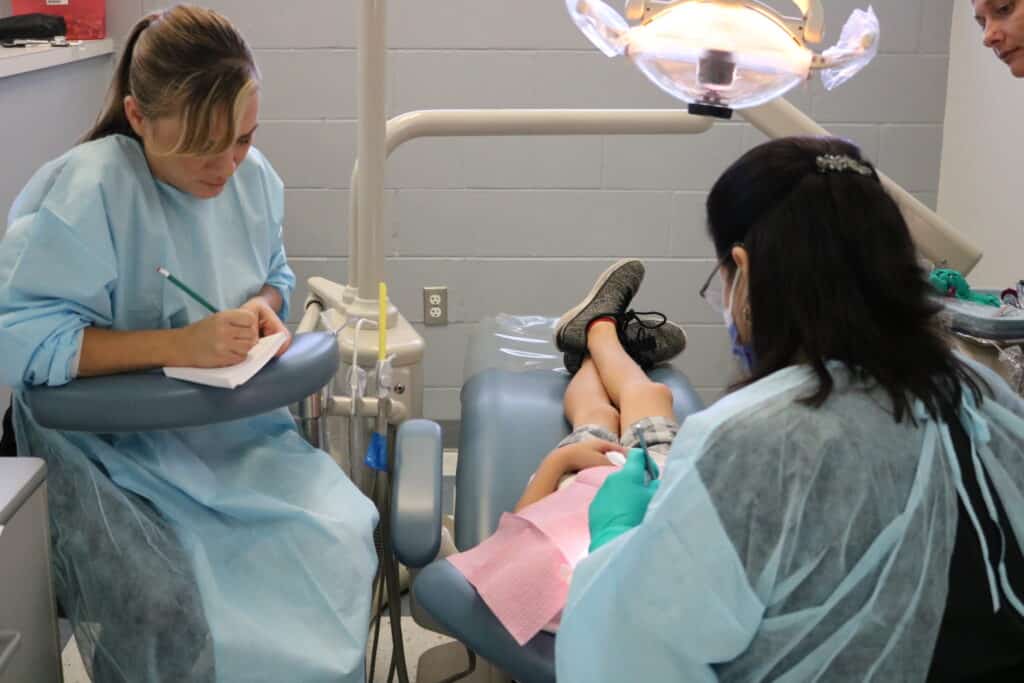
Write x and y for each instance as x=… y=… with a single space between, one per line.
x=573 y=361
x=610 y=296
x=650 y=339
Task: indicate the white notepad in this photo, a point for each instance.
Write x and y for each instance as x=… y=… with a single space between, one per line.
x=233 y=375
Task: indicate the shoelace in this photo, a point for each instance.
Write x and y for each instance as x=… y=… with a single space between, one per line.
x=643 y=338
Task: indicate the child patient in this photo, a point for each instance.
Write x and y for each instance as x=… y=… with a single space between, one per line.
x=523 y=570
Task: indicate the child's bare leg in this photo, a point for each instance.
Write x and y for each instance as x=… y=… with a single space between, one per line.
x=624 y=382
x=592 y=415
x=587 y=402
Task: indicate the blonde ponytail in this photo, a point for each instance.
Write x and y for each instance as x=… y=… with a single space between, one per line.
x=112 y=119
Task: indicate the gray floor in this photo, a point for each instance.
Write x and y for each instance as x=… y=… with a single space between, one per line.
x=65 y=633
x=450 y=433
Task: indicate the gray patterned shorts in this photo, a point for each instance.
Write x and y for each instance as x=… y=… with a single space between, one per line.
x=659 y=433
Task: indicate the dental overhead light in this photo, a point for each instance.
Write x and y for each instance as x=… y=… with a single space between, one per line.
x=720 y=55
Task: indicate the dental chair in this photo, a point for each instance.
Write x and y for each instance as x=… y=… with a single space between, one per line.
x=512 y=416
x=145 y=401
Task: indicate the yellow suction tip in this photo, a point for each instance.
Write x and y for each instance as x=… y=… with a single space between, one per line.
x=382 y=325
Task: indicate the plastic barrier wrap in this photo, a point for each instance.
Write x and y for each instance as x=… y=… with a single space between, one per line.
x=516 y=343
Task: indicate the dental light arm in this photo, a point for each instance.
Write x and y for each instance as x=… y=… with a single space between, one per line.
x=814 y=19
x=936 y=239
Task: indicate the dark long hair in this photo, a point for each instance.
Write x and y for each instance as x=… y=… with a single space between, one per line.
x=834 y=275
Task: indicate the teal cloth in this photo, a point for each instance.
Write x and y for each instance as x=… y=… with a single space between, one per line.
x=789 y=543
x=621 y=502
x=953 y=284
x=232 y=552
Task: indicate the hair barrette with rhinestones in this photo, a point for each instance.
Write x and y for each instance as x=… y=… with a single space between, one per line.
x=840 y=163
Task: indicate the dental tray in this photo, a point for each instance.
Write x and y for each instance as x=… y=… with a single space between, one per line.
x=985 y=322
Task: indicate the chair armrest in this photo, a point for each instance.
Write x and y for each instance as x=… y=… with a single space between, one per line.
x=416 y=493
x=446 y=595
x=146 y=401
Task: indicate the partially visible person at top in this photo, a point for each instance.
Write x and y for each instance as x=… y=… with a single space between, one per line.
x=1002 y=22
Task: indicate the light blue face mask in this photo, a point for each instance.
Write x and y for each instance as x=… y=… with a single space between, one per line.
x=744 y=352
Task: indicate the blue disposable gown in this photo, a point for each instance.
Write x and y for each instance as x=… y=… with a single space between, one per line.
x=788 y=543
x=231 y=552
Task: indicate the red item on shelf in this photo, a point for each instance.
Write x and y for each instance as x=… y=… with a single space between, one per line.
x=86 y=19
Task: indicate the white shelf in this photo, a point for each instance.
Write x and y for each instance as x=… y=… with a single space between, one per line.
x=19 y=60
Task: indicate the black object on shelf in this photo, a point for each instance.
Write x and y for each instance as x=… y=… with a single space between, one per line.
x=32 y=27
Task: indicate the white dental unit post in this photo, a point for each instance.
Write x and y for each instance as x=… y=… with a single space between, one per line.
x=340 y=306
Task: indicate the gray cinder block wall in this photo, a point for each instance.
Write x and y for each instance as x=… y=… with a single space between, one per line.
x=523 y=225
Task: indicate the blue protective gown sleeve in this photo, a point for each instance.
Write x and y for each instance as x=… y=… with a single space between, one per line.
x=281 y=276
x=44 y=309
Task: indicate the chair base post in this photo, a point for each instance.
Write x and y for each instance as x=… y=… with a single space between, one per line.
x=444 y=661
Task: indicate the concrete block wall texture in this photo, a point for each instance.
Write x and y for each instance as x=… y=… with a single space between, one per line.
x=523 y=225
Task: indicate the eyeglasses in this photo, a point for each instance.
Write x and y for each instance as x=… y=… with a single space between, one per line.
x=712 y=292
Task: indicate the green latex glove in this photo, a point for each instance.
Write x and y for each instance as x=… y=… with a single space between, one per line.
x=953 y=284
x=621 y=502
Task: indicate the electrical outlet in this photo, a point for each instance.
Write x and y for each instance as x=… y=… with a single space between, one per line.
x=435 y=305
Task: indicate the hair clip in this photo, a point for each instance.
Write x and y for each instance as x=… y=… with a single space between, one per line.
x=840 y=163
